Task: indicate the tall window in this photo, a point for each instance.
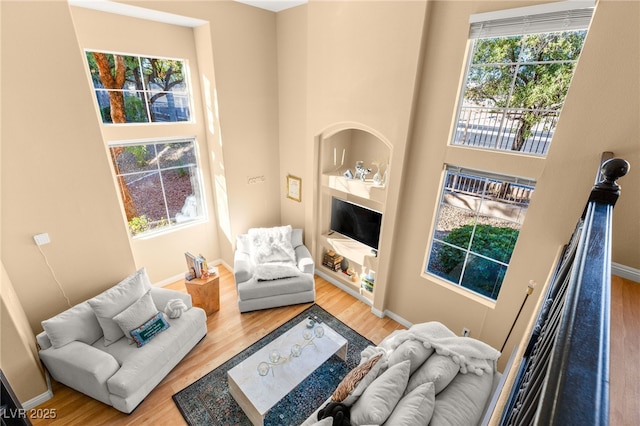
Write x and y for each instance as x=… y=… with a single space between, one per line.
x=159 y=183
x=137 y=89
x=517 y=79
x=478 y=223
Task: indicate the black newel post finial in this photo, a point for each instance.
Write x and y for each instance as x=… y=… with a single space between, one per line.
x=607 y=190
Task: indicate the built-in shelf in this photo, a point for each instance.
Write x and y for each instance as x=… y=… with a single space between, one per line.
x=350 y=149
x=366 y=189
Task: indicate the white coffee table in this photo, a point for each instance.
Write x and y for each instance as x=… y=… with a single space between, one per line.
x=256 y=394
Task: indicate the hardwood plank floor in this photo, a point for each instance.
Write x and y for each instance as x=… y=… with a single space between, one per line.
x=229 y=332
x=624 y=375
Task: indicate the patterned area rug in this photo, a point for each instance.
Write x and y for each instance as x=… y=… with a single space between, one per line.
x=208 y=401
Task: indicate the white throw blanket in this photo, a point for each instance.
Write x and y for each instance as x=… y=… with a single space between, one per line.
x=275 y=271
x=470 y=354
x=272 y=253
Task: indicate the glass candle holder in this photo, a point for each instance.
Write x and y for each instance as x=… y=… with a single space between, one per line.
x=274 y=356
x=318 y=331
x=263 y=368
x=296 y=350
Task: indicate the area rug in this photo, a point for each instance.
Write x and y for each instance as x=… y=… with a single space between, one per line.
x=208 y=401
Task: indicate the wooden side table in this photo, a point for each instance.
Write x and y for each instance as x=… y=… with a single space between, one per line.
x=205 y=293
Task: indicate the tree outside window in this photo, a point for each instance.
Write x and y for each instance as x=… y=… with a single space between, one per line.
x=515 y=89
x=478 y=223
x=159 y=184
x=135 y=89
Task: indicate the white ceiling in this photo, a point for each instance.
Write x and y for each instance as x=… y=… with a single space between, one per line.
x=273 y=5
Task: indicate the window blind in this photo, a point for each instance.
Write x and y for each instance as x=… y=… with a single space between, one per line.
x=563 y=16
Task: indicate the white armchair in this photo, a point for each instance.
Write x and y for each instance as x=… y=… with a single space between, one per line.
x=272 y=268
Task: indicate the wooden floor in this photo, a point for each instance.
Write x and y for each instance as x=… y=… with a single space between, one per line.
x=229 y=332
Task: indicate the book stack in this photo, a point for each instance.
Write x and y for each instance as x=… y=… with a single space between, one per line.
x=332 y=260
x=367 y=282
x=196 y=266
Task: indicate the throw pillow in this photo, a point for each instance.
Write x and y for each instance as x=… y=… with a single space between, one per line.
x=380 y=398
x=358 y=379
x=115 y=300
x=175 y=308
x=271 y=245
x=412 y=350
x=77 y=323
x=463 y=401
x=150 y=329
x=415 y=408
x=439 y=369
x=136 y=315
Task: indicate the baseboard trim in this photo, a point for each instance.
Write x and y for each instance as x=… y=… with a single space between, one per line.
x=397 y=318
x=343 y=287
x=625 y=272
x=376 y=312
x=42 y=398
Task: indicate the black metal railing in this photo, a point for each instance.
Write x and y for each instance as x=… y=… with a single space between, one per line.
x=564 y=376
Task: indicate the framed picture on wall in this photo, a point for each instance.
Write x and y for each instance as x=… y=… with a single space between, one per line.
x=294 y=188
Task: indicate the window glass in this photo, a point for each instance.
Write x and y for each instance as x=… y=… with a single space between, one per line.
x=132 y=89
x=514 y=90
x=479 y=219
x=159 y=183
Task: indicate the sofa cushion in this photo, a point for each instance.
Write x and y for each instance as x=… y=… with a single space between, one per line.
x=380 y=398
x=415 y=408
x=412 y=350
x=150 y=329
x=358 y=379
x=439 y=369
x=115 y=300
x=243 y=243
x=78 y=323
x=296 y=237
x=254 y=289
x=140 y=364
x=462 y=402
x=136 y=315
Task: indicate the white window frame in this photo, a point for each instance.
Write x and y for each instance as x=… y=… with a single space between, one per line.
x=552 y=17
x=198 y=187
x=519 y=181
x=188 y=92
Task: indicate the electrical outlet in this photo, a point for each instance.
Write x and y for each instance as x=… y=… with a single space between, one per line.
x=42 y=239
x=466 y=332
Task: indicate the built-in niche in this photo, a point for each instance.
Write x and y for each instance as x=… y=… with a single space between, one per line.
x=353 y=167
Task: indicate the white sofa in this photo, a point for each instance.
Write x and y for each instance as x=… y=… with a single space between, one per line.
x=273 y=268
x=86 y=349
x=425 y=375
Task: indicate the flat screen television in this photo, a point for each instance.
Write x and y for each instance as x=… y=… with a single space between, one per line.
x=356 y=222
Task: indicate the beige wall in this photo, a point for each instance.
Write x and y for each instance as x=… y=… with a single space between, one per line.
x=55 y=177
x=363 y=60
x=18 y=354
x=296 y=156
